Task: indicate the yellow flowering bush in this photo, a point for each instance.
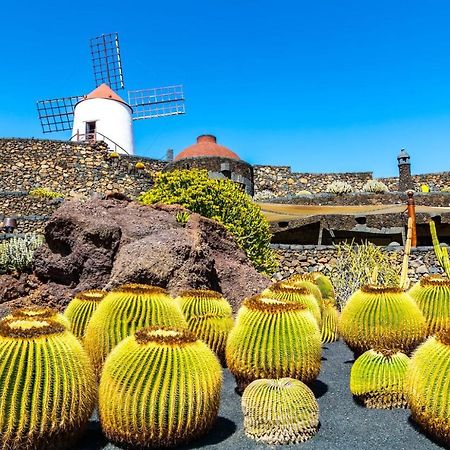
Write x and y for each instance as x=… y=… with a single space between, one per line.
x=221 y=200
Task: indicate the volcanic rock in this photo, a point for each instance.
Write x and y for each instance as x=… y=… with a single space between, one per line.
x=106 y=242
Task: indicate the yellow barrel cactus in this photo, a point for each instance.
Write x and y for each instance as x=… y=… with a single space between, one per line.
x=324 y=284
x=300 y=295
x=47 y=386
x=330 y=321
x=432 y=295
x=377 y=379
x=280 y=412
x=38 y=312
x=197 y=302
x=381 y=317
x=307 y=281
x=273 y=339
x=80 y=309
x=159 y=388
x=125 y=310
x=427 y=386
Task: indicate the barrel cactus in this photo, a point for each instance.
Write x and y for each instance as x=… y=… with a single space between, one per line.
x=273 y=339
x=330 y=321
x=39 y=312
x=209 y=317
x=427 y=386
x=125 y=310
x=300 y=295
x=377 y=379
x=324 y=284
x=47 y=386
x=432 y=295
x=80 y=309
x=381 y=317
x=307 y=281
x=159 y=388
x=280 y=412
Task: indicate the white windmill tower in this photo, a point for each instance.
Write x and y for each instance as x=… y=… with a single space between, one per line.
x=102 y=115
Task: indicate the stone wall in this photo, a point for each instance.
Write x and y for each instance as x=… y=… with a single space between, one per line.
x=281 y=181
x=69 y=167
x=308 y=258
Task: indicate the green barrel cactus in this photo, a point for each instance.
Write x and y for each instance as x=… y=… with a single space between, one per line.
x=381 y=317
x=209 y=317
x=125 y=310
x=377 y=379
x=38 y=312
x=159 y=388
x=432 y=295
x=330 y=321
x=427 y=386
x=324 y=284
x=300 y=295
x=273 y=339
x=47 y=386
x=80 y=309
x=307 y=281
x=280 y=412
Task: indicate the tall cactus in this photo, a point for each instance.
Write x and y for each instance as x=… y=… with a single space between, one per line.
x=427 y=386
x=39 y=313
x=432 y=295
x=125 y=310
x=382 y=317
x=440 y=252
x=377 y=379
x=159 y=388
x=47 y=386
x=80 y=309
x=273 y=339
x=280 y=412
x=300 y=295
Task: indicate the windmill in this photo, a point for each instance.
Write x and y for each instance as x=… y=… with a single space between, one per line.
x=102 y=114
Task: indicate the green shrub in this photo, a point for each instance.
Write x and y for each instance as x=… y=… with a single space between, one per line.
x=220 y=200
x=45 y=193
x=16 y=254
x=354 y=267
x=339 y=187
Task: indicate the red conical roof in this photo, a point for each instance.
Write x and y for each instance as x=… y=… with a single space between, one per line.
x=206 y=146
x=104 y=91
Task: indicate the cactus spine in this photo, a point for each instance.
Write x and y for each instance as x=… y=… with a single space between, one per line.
x=377 y=379
x=432 y=295
x=80 y=309
x=209 y=317
x=125 y=310
x=300 y=295
x=47 y=386
x=427 y=386
x=159 y=388
x=38 y=313
x=273 y=339
x=279 y=412
x=330 y=321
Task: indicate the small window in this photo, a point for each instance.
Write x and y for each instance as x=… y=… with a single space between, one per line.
x=90 y=131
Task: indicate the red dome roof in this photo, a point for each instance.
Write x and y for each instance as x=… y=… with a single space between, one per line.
x=206 y=146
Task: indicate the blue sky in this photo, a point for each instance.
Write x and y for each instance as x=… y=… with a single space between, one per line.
x=323 y=86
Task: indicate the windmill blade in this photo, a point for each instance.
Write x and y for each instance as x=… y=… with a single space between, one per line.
x=106 y=62
x=57 y=114
x=157 y=102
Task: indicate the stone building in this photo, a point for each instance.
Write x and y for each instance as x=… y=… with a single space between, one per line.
x=220 y=161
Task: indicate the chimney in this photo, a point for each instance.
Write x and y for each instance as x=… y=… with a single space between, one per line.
x=404 y=171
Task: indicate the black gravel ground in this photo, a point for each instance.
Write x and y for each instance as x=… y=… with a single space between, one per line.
x=344 y=424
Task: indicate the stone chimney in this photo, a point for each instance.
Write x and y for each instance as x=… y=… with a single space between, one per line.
x=169 y=155
x=404 y=171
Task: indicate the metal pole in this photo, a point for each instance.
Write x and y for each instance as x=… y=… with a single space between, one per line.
x=412 y=214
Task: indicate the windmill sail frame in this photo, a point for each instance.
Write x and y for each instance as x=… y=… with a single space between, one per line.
x=57 y=114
